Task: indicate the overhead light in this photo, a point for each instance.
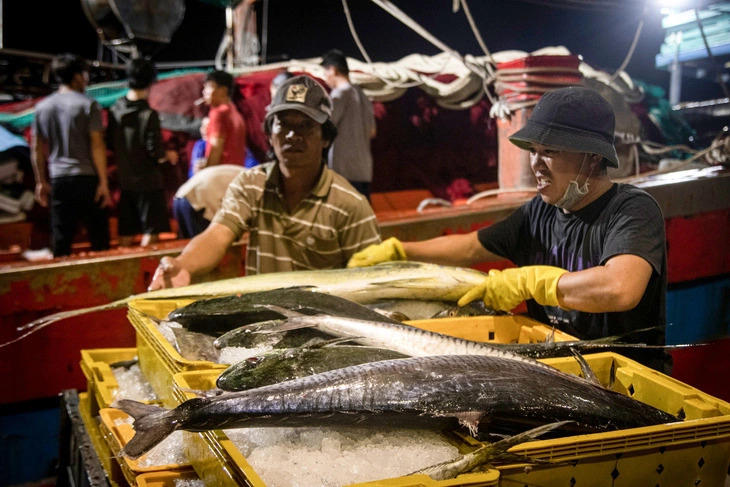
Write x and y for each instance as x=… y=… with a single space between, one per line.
x=675 y=4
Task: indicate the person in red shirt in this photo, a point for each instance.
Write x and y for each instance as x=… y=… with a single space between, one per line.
x=226 y=132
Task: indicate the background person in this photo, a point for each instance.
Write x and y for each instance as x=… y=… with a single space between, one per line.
x=226 y=131
x=353 y=116
x=135 y=138
x=199 y=198
x=69 y=158
x=592 y=253
x=300 y=214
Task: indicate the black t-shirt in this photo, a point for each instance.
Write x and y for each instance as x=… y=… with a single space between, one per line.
x=624 y=220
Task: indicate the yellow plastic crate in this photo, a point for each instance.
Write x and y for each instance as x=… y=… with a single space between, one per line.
x=111 y=467
x=164 y=479
x=158 y=359
x=100 y=381
x=117 y=436
x=695 y=450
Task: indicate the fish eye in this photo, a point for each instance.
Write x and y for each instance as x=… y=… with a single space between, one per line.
x=253 y=360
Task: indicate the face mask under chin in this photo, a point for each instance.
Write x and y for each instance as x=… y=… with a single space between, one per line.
x=574 y=193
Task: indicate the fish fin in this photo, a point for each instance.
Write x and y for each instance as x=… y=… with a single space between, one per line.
x=470 y=419
x=152 y=424
x=154 y=319
x=550 y=338
x=612 y=375
x=202 y=392
x=292 y=324
x=585 y=369
x=488 y=454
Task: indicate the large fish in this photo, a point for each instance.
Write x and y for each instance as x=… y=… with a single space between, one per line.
x=219 y=315
x=405 y=339
x=292 y=363
x=390 y=280
x=484 y=394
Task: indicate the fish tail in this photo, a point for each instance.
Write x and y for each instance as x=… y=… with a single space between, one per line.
x=152 y=424
x=40 y=323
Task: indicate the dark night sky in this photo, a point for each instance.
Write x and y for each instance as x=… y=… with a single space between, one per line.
x=301 y=29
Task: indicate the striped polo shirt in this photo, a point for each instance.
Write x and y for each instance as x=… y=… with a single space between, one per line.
x=333 y=222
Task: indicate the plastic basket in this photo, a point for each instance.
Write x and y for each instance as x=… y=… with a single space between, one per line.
x=101 y=383
x=111 y=467
x=117 y=436
x=693 y=452
x=158 y=359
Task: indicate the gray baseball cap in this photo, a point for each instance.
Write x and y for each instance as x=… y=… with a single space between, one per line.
x=303 y=94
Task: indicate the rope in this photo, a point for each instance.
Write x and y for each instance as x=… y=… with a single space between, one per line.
x=490 y=62
x=630 y=53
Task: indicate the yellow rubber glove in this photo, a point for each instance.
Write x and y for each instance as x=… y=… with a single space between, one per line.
x=386 y=251
x=504 y=290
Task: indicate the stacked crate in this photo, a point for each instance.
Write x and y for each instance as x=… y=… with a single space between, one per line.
x=107 y=438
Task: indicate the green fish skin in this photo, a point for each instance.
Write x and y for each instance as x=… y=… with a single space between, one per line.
x=293 y=363
x=390 y=280
x=486 y=394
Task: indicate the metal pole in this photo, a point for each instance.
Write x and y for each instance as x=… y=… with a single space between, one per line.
x=675 y=80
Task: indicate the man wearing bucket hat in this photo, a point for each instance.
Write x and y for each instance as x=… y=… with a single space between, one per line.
x=300 y=214
x=591 y=254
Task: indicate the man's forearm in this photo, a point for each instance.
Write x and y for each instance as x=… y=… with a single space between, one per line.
x=39 y=161
x=455 y=250
x=206 y=250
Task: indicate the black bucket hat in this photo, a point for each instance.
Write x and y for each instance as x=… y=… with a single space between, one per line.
x=574 y=119
x=303 y=94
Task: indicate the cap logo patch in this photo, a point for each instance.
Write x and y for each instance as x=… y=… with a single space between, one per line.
x=296 y=93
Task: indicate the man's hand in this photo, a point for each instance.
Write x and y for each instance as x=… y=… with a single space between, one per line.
x=386 y=251
x=505 y=290
x=169 y=274
x=42 y=193
x=103 y=197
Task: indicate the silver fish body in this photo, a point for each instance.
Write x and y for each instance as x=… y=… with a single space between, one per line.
x=482 y=393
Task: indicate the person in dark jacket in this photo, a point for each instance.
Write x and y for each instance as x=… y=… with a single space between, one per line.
x=135 y=138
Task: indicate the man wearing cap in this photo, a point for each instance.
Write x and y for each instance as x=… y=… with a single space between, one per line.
x=300 y=214
x=591 y=254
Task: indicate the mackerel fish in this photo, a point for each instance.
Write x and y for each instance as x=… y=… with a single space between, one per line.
x=389 y=280
x=485 y=394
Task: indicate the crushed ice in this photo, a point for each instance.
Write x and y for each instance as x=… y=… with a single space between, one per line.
x=132 y=384
x=189 y=483
x=168 y=452
x=338 y=456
